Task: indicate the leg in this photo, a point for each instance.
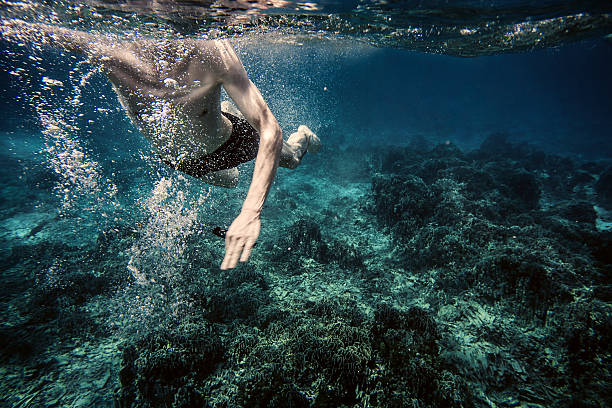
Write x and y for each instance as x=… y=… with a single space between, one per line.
x=294 y=148
x=224 y=178
x=300 y=142
x=229 y=107
x=291 y=155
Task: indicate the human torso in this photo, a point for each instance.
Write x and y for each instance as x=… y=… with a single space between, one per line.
x=171 y=91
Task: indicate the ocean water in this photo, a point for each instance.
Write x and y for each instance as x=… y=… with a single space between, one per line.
x=449 y=246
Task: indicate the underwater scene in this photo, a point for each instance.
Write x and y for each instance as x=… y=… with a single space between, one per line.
x=438 y=232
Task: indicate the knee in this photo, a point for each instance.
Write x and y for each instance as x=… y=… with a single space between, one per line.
x=289 y=161
x=294 y=162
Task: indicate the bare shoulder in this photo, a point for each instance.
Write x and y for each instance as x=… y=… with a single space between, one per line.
x=219 y=54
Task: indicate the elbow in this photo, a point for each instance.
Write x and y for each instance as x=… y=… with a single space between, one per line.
x=278 y=137
x=272 y=137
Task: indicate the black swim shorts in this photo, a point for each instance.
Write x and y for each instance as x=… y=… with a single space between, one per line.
x=241 y=147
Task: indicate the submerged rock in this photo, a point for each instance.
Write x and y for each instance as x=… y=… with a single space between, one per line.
x=520 y=186
x=335 y=356
x=603 y=187
x=306 y=241
x=165 y=367
x=514 y=230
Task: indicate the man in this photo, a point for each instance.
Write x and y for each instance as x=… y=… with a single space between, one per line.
x=171 y=90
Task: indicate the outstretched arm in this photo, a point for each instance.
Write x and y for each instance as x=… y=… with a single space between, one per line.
x=243 y=232
x=70 y=40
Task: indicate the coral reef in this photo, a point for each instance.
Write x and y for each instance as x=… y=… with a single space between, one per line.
x=328 y=355
x=429 y=278
x=603 y=187
x=514 y=230
x=164 y=367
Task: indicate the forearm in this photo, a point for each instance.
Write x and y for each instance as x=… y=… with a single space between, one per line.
x=270 y=144
x=69 y=40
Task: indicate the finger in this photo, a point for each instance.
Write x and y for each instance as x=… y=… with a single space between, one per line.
x=234 y=252
x=225 y=262
x=227 y=242
x=226 y=258
x=230 y=247
x=246 y=252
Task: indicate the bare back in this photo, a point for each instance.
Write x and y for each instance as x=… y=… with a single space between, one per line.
x=171 y=90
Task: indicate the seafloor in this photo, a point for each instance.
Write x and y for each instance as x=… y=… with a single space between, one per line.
x=419 y=276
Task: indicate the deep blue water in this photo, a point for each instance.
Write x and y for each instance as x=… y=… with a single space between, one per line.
x=556 y=98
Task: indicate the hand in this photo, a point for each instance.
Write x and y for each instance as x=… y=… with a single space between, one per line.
x=240 y=238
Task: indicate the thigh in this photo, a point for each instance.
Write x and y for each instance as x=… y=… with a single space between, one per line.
x=223 y=178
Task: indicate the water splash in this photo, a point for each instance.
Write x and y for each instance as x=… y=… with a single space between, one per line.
x=80 y=175
x=158 y=256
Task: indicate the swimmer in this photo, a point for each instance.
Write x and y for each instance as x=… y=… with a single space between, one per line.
x=171 y=90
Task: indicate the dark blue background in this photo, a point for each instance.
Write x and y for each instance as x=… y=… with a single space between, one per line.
x=558 y=98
